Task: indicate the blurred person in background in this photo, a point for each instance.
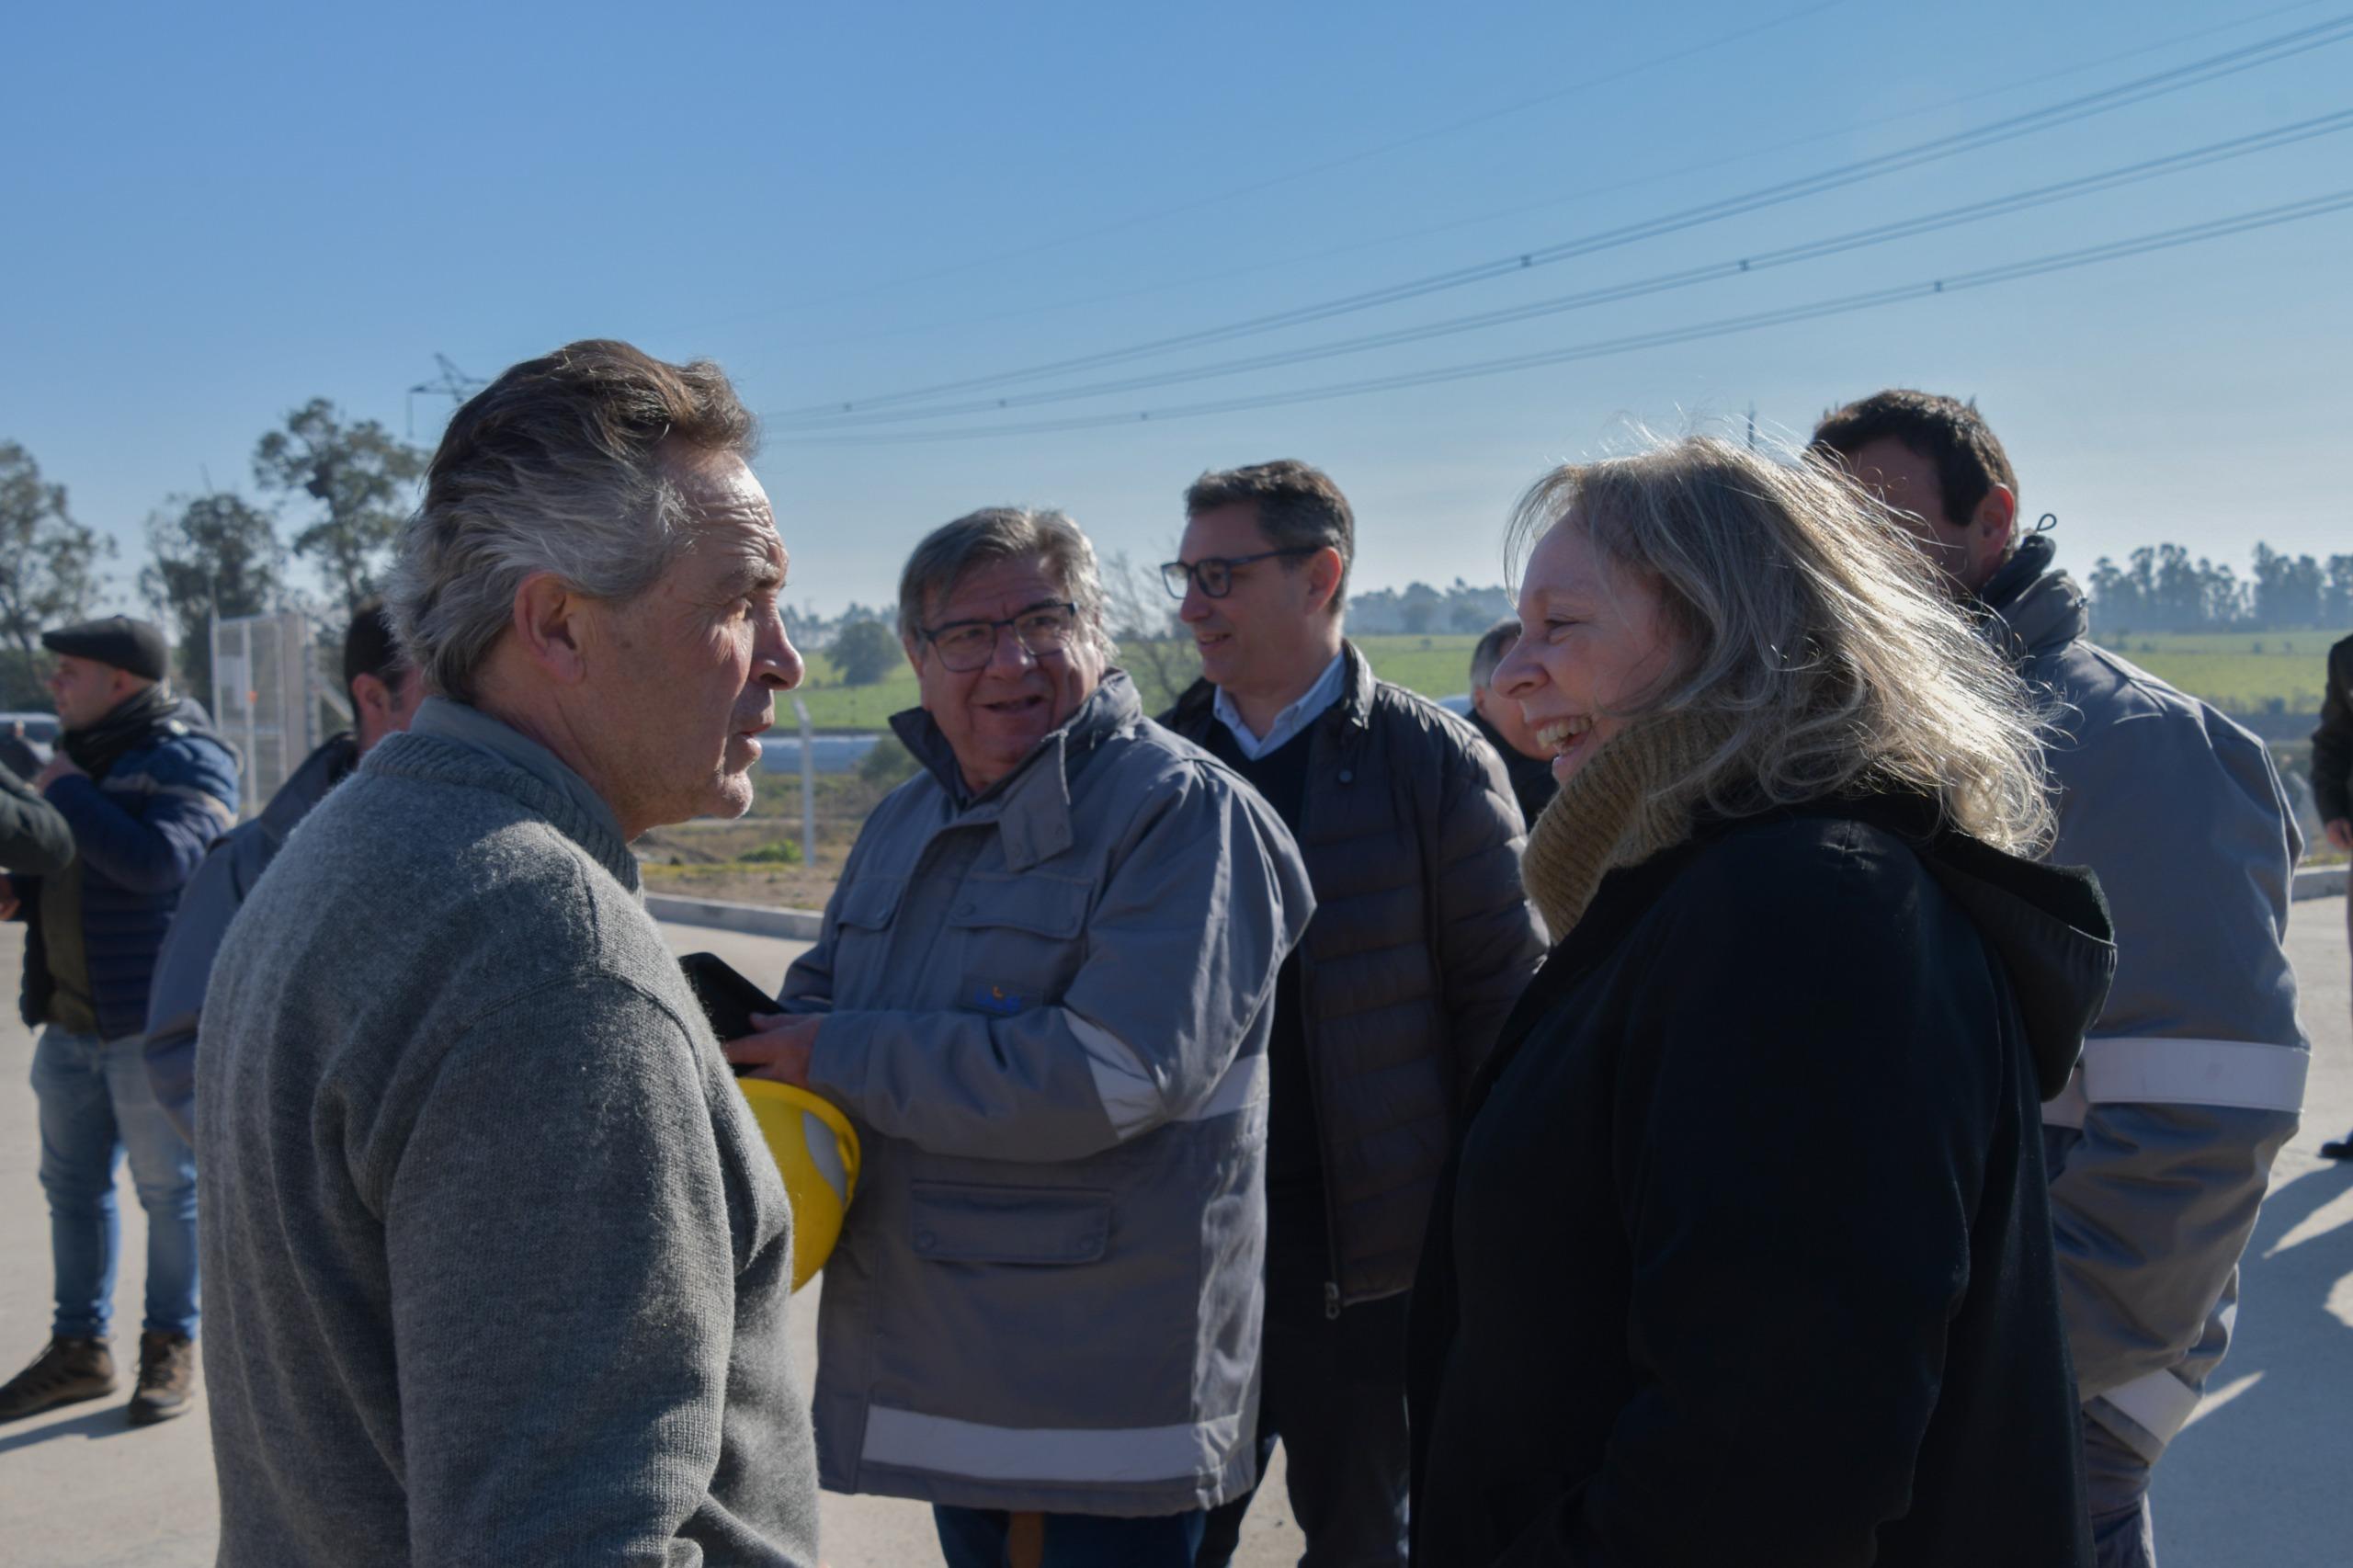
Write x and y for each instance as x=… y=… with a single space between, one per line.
x=1499 y=724
x=1745 y=1253
x=2333 y=790
x=145 y=785
x=1043 y=991
x=502 y=1260
x=384 y=692
x=1422 y=941
x=2193 y=1075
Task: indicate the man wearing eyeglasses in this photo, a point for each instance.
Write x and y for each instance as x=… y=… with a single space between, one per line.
x=1043 y=991
x=1421 y=943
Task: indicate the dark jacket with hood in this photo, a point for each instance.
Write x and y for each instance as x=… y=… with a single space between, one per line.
x=1421 y=942
x=1744 y=1256
x=157 y=787
x=184 y=966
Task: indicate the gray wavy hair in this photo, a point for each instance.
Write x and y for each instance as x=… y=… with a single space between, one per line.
x=1813 y=623
x=952 y=550
x=569 y=464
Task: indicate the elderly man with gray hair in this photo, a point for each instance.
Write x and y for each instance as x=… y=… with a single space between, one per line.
x=498 y=1261
x=1043 y=991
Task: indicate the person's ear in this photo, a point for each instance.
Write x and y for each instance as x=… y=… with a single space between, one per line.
x=914 y=654
x=1996 y=518
x=550 y=627
x=370 y=695
x=1323 y=570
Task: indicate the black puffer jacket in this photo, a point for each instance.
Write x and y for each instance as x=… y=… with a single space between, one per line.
x=1422 y=940
x=1746 y=1255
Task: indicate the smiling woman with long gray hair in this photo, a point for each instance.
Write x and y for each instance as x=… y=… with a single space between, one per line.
x=1745 y=1253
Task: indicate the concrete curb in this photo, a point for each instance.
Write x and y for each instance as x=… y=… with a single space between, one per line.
x=2321 y=882
x=803 y=925
x=752 y=919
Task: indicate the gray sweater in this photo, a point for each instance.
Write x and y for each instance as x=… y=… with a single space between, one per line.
x=496 y=1266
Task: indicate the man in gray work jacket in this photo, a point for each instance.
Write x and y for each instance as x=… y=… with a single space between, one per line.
x=1043 y=991
x=2193 y=1075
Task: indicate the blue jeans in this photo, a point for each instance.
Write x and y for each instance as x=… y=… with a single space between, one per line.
x=96 y=1103
x=975 y=1538
x=2116 y=1480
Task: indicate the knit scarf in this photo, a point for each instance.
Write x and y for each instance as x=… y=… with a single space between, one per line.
x=1633 y=798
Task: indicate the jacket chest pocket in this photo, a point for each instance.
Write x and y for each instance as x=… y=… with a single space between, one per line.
x=862 y=922
x=1017 y=941
x=955 y=1223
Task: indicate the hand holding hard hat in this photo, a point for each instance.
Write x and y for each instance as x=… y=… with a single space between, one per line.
x=815 y=1146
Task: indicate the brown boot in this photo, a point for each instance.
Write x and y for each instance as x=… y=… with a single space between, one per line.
x=166 y=1378
x=68 y=1369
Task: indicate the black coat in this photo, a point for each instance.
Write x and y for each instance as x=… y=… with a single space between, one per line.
x=2332 y=742
x=1421 y=943
x=1744 y=1256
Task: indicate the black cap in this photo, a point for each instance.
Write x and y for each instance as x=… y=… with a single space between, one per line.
x=137 y=646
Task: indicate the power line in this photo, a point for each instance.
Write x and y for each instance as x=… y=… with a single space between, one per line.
x=1881 y=233
x=1251 y=188
x=1585 y=193
x=2062 y=261
x=2107 y=99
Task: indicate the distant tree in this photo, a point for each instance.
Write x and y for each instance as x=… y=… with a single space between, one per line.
x=2337 y=598
x=865 y=653
x=360 y=474
x=211 y=556
x=2286 y=592
x=1153 y=648
x=47 y=562
x=1418 y=608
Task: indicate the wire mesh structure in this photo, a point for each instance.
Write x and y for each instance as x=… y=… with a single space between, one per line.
x=266 y=699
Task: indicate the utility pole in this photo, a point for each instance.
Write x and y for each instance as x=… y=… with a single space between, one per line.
x=1752 y=427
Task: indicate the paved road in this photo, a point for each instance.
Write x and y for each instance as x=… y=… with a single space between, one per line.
x=2264 y=1477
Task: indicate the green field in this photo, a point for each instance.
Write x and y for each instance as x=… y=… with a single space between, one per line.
x=2239 y=672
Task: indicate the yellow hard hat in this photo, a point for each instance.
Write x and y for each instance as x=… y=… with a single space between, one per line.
x=816 y=1153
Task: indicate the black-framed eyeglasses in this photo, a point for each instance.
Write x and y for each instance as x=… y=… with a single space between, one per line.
x=1215 y=572
x=1043 y=629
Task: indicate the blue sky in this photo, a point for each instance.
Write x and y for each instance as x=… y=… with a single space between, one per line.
x=212 y=214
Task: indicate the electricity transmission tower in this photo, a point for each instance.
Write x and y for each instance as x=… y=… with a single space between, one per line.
x=452 y=382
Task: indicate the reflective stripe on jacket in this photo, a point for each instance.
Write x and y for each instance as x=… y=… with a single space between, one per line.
x=1047 y=1011
x=2192 y=1077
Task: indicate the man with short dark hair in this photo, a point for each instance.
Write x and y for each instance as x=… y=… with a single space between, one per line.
x=501 y=1263
x=384 y=692
x=1421 y=943
x=145 y=785
x=1501 y=724
x=2193 y=1075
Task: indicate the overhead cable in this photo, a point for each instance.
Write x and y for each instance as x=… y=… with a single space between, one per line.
x=2062 y=261
x=2105 y=100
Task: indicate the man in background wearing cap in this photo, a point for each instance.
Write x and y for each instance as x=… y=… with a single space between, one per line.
x=145 y=786
x=385 y=691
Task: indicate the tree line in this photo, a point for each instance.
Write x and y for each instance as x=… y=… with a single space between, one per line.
x=2160 y=588
x=341 y=485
